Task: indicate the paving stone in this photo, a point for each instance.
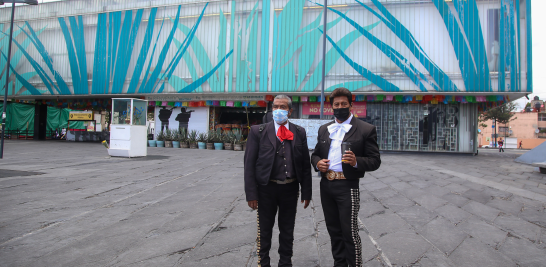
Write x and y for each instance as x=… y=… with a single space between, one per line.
x=442 y=234
x=403 y=248
x=440 y=182
x=506 y=206
x=485 y=232
x=413 y=192
x=512 y=183
x=430 y=202
x=390 y=180
x=481 y=210
x=421 y=184
x=457 y=200
x=453 y=213
x=435 y=258
x=527 y=202
x=478 y=196
x=371 y=208
x=401 y=186
x=416 y=215
x=375 y=186
x=523 y=252
x=398 y=202
x=472 y=253
x=497 y=193
x=474 y=186
x=456 y=188
x=517 y=226
x=383 y=224
x=384 y=193
x=534 y=215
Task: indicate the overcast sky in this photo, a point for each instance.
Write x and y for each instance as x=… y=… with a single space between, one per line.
x=539 y=55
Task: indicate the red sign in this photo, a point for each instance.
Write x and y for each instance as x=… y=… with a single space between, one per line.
x=359 y=109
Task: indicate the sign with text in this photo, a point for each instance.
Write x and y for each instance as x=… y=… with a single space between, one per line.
x=81 y=116
x=359 y=109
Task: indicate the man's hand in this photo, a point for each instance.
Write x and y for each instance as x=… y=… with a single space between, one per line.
x=253 y=204
x=323 y=165
x=306 y=203
x=349 y=158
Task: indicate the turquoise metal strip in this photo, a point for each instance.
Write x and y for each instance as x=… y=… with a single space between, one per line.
x=99 y=72
x=411 y=43
x=502 y=45
x=274 y=73
x=203 y=79
x=352 y=86
x=79 y=42
x=117 y=85
x=462 y=51
x=231 y=44
x=181 y=51
x=390 y=52
x=529 y=46
x=221 y=53
x=72 y=58
x=177 y=83
x=513 y=62
x=146 y=74
x=375 y=79
x=469 y=16
x=191 y=67
x=25 y=83
x=61 y=87
x=251 y=51
x=264 y=49
x=150 y=84
x=144 y=50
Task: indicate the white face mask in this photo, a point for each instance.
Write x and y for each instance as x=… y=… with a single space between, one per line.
x=280 y=116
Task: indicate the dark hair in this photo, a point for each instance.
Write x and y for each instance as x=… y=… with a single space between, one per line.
x=341 y=92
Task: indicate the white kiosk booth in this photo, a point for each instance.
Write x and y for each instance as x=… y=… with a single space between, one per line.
x=128 y=131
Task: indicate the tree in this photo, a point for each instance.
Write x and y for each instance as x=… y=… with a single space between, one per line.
x=501 y=114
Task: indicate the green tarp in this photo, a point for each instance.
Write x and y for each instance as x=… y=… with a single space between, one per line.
x=20 y=115
x=58 y=119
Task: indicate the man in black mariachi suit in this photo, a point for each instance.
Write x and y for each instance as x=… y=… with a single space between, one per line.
x=339 y=190
x=276 y=163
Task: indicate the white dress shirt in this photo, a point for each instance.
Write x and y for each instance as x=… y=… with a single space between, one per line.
x=334 y=154
x=277 y=126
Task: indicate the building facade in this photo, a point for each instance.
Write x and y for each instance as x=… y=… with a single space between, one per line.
x=420 y=70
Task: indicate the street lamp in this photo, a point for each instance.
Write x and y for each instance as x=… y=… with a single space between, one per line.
x=5 y=105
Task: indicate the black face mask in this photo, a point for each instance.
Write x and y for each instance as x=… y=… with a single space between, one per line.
x=342 y=114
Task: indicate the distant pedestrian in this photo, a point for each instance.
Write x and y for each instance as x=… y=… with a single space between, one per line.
x=501 y=143
x=520 y=144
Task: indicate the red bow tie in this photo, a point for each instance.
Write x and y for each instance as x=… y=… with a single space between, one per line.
x=284 y=134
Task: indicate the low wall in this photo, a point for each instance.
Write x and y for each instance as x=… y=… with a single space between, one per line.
x=84 y=136
x=531 y=143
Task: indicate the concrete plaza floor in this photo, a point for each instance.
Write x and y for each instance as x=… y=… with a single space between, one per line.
x=69 y=204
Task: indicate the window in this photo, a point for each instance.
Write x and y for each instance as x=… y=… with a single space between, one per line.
x=493 y=20
x=504 y=129
x=541 y=116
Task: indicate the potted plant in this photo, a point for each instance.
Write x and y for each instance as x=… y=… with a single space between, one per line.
x=160 y=137
x=244 y=144
x=151 y=141
x=168 y=138
x=202 y=140
x=176 y=138
x=210 y=138
x=237 y=139
x=183 y=138
x=218 y=145
x=192 y=139
x=228 y=140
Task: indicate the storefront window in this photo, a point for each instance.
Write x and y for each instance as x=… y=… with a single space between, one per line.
x=415 y=127
x=121 y=111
